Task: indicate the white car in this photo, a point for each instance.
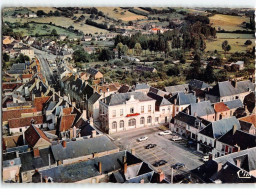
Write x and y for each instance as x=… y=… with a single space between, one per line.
x=205 y=158
x=167 y=132
x=144 y=138
x=176 y=138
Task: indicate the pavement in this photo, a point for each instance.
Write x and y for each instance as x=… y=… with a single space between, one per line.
x=172 y=152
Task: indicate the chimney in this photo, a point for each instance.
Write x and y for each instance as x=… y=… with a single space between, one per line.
x=74 y=131
x=142 y=181
x=45 y=179
x=100 y=167
x=125 y=168
x=42 y=94
x=91 y=121
x=71 y=133
x=133 y=151
x=161 y=176
x=49 y=160
x=36 y=152
x=73 y=104
x=219 y=167
x=238 y=163
x=64 y=143
x=234 y=83
x=234 y=129
x=17 y=154
x=175 y=101
x=197 y=100
x=93 y=133
x=124 y=159
x=59 y=162
x=195 y=114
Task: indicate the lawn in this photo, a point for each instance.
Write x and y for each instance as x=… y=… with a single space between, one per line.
x=227 y=22
x=127 y=16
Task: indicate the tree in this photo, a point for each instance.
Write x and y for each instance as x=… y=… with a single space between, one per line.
x=81 y=56
x=54 y=32
x=22 y=58
x=119 y=47
x=106 y=54
x=248 y=42
x=6 y=57
x=137 y=48
x=125 y=49
x=40 y=13
x=130 y=23
x=226 y=47
x=209 y=74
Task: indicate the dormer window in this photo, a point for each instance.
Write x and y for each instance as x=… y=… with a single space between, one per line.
x=132 y=110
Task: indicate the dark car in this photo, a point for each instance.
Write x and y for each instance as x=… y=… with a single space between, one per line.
x=159 y=163
x=178 y=166
x=150 y=146
x=191 y=143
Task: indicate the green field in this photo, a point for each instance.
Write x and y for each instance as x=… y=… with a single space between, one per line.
x=41 y=30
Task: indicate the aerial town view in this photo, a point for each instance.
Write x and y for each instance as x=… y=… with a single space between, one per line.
x=160 y=95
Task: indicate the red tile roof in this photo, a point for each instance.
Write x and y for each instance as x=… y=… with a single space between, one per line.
x=26 y=76
x=11 y=86
x=67 y=111
x=220 y=107
x=66 y=122
x=11 y=114
x=40 y=101
x=249 y=119
x=25 y=121
x=33 y=134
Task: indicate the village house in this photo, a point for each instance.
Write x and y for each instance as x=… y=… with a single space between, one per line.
x=11 y=165
x=180 y=101
x=221 y=111
x=141 y=87
x=207 y=137
x=248 y=124
x=230 y=90
x=233 y=141
x=118 y=112
x=172 y=90
x=94 y=74
x=203 y=110
x=231 y=168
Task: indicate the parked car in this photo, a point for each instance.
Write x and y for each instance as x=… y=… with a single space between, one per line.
x=144 y=138
x=205 y=158
x=150 y=146
x=159 y=163
x=176 y=138
x=178 y=166
x=167 y=132
x=191 y=143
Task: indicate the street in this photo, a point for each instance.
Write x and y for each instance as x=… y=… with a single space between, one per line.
x=172 y=152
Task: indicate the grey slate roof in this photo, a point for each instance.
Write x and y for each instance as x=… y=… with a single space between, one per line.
x=177 y=88
x=197 y=84
x=201 y=108
x=250 y=154
x=94 y=98
x=222 y=89
x=123 y=89
x=17 y=68
x=183 y=99
x=160 y=101
x=30 y=163
x=117 y=99
x=88 y=169
x=158 y=91
x=240 y=138
x=82 y=147
x=139 y=86
x=188 y=119
x=234 y=104
x=219 y=128
x=92 y=71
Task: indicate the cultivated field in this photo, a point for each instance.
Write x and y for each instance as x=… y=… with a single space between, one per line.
x=127 y=16
x=227 y=22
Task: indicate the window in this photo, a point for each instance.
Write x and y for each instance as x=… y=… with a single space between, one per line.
x=142 y=120
x=121 y=112
x=157 y=119
x=20 y=129
x=149 y=119
x=163 y=111
x=114 y=125
x=149 y=108
x=177 y=109
x=121 y=124
x=131 y=110
x=142 y=109
x=114 y=113
x=132 y=122
x=222 y=148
